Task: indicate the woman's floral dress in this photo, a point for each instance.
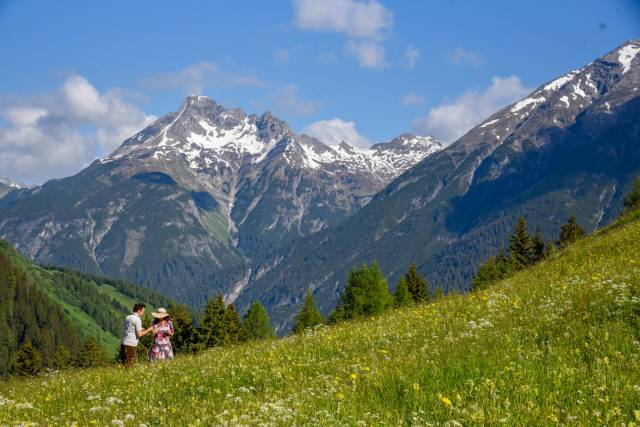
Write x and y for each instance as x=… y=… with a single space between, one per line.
x=161 y=348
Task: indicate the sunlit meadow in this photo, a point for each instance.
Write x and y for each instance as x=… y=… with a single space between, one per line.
x=556 y=344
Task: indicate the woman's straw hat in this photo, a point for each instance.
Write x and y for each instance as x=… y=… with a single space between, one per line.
x=161 y=313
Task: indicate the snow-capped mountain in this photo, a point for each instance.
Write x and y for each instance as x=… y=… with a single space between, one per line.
x=208 y=136
x=200 y=190
x=570 y=147
x=7 y=185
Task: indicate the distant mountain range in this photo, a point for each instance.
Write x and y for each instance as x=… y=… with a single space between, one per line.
x=210 y=199
x=571 y=147
x=201 y=191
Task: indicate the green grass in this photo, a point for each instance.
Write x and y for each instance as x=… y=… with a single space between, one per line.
x=84 y=323
x=555 y=344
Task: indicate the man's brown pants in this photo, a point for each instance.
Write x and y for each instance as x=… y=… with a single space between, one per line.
x=128 y=355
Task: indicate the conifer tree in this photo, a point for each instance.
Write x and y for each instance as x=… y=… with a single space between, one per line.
x=184 y=336
x=28 y=361
x=494 y=269
x=538 y=246
x=92 y=355
x=632 y=201
x=550 y=249
x=309 y=315
x=256 y=322
x=570 y=232
x=235 y=329
x=418 y=286
x=487 y=274
x=62 y=358
x=504 y=265
x=402 y=296
x=213 y=331
x=520 y=246
x=366 y=293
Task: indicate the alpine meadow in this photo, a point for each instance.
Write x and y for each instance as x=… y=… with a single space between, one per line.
x=320 y=213
x=557 y=343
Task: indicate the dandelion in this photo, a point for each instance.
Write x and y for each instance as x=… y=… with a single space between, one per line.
x=446 y=402
x=354 y=376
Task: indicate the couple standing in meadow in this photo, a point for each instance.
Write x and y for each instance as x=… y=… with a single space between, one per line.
x=161 y=328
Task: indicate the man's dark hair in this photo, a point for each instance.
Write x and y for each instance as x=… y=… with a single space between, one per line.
x=138 y=306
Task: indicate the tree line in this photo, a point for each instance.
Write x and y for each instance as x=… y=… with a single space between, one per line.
x=526 y=250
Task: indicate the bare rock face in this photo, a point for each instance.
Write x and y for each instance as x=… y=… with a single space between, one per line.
x=203 y=190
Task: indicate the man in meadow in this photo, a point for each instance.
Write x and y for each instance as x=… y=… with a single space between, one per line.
x=132 y=331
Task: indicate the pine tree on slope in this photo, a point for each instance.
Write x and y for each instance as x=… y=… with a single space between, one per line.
x=309 y=315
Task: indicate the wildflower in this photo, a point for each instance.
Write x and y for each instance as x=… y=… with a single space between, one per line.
x=117 y=423
x=354 y=376
x=416 y=386
x=129 y=417
x=446 y=402
x=340 y=396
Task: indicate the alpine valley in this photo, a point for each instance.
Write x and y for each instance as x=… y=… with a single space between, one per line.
x=210 y=199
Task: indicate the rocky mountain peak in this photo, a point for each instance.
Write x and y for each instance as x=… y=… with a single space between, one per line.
x=11 y=184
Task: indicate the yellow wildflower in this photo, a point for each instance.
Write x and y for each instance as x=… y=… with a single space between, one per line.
x=446 y=402
x=416 y=386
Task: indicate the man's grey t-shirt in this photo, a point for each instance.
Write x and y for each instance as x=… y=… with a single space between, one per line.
x=132 y=324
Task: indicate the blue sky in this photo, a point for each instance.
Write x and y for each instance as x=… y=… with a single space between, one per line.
x=78 y=76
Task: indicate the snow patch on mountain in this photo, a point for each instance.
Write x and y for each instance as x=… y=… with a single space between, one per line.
x=558 y=83
x=489 y=123
x=527 y=102
x=626 y=55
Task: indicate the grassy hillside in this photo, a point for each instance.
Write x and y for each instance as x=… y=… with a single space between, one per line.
x=558 y=343
x=95 y=306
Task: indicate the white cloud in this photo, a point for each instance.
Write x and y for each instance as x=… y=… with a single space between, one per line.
x=356 y=19
x=193 y=79
x=364 y=23
x=335 y=131
x=287 y=99
x=412 y=99
x=450 y=121
x=370 y=54
x=57 y=134
x=463 y=56
x=411 y=56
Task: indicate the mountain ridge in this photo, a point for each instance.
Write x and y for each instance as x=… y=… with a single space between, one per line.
x=200 y=190
x=539 y=157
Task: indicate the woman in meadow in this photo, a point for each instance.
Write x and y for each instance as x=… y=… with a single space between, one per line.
x=162 y=330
